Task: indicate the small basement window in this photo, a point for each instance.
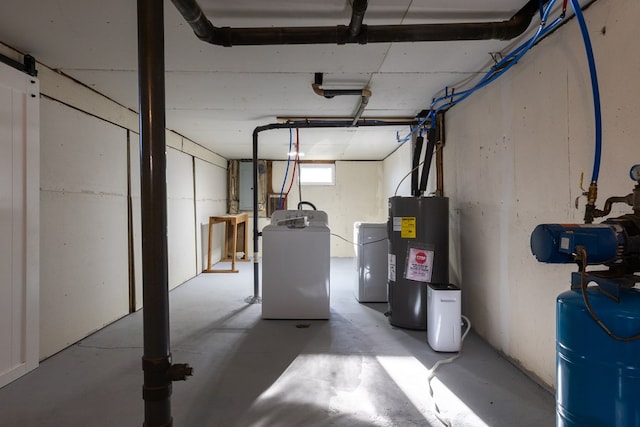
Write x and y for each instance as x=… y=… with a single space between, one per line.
x=317 y=173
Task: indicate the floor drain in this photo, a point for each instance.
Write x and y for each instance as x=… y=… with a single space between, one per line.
x=302 y=325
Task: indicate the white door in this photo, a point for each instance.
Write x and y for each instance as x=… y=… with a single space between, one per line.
x=19 y=223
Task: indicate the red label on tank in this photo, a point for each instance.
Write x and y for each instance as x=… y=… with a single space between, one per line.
x=419 y=264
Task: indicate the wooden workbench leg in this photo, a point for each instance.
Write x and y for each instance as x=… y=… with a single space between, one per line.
x=209 y=244
x=227 y=230
x=235 y=246
x=246 y=240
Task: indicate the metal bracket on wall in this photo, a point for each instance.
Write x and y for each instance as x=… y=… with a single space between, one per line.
x=28 y=66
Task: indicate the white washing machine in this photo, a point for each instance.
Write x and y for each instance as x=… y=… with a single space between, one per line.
x=372 y=254
x=295 y=265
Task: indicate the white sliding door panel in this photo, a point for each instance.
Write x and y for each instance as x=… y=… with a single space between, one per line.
x=6 y=233
x=19 y=223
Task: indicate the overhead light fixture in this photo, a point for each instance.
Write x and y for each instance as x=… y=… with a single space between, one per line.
x=293 y=154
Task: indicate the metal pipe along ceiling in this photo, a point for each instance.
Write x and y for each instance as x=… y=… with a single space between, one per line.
x=330 y=93
x=364 y=93
x=356 y=32
x=303 y=124
x=358 y=8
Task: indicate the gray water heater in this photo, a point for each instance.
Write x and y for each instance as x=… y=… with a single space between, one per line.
x=418 y=229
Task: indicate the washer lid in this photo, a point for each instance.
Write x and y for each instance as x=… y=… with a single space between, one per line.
x=313 y=217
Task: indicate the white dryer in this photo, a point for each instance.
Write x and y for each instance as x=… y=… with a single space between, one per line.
x=295 y=265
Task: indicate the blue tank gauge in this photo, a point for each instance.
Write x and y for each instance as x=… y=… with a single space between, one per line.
x=634 y=173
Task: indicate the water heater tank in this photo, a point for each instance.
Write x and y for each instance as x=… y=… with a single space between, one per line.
x=418 y=255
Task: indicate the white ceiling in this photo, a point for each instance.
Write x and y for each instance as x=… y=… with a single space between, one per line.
x=216 y=96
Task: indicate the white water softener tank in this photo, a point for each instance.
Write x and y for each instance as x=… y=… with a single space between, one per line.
x=371 y=248
x=444 y=317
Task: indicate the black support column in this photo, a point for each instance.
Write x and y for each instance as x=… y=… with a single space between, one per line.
x=156 y=360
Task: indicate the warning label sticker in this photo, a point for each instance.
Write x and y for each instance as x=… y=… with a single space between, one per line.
x=392 y=267
x=419 y=265
x=408 y=229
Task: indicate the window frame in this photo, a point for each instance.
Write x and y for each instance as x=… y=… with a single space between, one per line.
x=318 y=165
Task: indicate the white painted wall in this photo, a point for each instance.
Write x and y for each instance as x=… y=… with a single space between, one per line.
x=181 y=225
x=84 y=210
x=84 y=238
x=211 y=200
x=84 y=262
x=135 y=227
x=513 y=159
x=395 y=167
x=357 y=196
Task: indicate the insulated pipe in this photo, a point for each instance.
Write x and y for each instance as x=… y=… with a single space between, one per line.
x=156 y=360
x=365 y=94
x=439 y=154
x=417 y=152
x=358 y=9
x=330 y=93
x=341 y=34
x=295 y=125
x=428 y=156
x=299 y=119
x=364 y=100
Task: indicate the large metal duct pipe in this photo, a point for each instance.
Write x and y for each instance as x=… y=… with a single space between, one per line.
x=356 y=32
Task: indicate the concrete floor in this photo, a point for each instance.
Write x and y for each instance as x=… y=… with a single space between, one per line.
x=353 y=370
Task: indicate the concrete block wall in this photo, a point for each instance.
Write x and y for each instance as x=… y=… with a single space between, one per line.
x=515 y=152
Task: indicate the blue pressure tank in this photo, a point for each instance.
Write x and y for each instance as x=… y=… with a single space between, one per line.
x=598 y=377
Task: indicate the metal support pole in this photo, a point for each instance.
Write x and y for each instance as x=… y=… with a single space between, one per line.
x=156 y=360
x=255 y=299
